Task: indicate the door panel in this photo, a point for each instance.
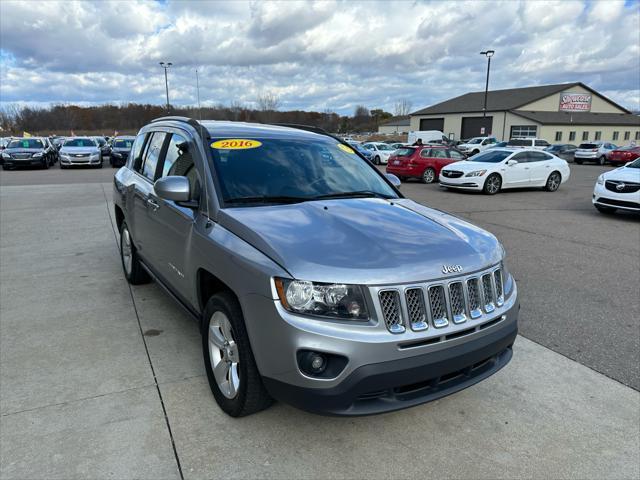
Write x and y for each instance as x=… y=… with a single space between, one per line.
x=516 y=175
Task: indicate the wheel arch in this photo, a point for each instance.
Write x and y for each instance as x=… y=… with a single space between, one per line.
x=208 y=285
x=119 y=214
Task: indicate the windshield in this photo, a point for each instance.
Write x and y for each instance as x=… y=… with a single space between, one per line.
x=80 y=142
x=405 y=151
x=287 y=170
x=634 y=164
x=384 y=146
x=100 y=141
x=490 y=156
x=26 y=143
x=123 y=144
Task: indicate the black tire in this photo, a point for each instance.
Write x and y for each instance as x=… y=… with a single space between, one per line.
x=602 y=160
x=492 y=184
x=429 y=175
x=251 y=396
x=62 y=167
x=376 y=160
x=100 y=164
x=579 y=162
x=5 y=167
x=475 y=152
x=135 y=274
x=553 y=182
x=45 y=164
x=605 y=210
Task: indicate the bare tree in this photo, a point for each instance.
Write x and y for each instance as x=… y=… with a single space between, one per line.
x=402 y=108
x=360 y=111
x=268 y=102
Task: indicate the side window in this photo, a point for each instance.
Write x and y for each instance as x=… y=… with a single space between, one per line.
x=178 y=161
x=456 y=155
x=152 y=154
x=136 y=152
x=426 y=153
x=522 y=157
x=438 y=153
x=542 y=143
x=538 y=157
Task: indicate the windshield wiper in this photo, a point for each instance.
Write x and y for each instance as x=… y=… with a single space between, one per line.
x=267 y=199
x=357 y=194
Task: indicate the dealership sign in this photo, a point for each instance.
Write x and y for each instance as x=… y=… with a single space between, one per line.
x=575 y=102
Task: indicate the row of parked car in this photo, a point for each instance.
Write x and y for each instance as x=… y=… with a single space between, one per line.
x=68 y=151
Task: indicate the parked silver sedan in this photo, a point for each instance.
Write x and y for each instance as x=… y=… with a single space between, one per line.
x=80 y=151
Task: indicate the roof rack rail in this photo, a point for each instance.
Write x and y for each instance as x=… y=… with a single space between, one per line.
x=309 y=128
x=201 y=129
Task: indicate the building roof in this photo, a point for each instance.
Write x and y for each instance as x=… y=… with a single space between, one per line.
x=499 y=100
x=580 y=118
x=397 y=122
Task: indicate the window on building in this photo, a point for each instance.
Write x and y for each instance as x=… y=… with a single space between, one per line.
x=558 y=136
x=627 y=135
x=572 y=136
x=598 y=135
x=520 y=131
x=616 y=135
x=585 y=136
x=638 y=135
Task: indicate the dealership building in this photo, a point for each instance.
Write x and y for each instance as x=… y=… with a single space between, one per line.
x=564 y=113
x=396 y=125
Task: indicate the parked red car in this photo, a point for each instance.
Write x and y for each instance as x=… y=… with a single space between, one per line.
x=424 y=162
x=623 y=154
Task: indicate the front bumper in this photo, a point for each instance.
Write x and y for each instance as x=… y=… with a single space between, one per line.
x=26 y=162
x=80 y=161
x=467 y=183
x=623 y=201
x=384 y=371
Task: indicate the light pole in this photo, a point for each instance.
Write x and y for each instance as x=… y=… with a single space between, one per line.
x=488 y=54
x=166 y=82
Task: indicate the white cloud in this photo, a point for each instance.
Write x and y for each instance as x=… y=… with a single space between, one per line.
x=315 y=55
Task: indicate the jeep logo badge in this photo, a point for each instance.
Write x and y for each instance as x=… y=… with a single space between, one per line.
x=451 y=268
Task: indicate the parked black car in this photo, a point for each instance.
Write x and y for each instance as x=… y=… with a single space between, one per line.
x=562 y=150
x=105 y=148
x=120 y=150
x=22 y=152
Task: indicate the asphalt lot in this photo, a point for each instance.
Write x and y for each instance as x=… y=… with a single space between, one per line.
x=101 y=380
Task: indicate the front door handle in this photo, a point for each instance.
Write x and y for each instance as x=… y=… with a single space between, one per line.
x=151 y=203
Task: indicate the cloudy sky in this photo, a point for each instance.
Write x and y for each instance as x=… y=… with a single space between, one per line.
x=329 y=55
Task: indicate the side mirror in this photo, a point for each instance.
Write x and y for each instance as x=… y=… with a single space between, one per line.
x=174 y=188
x=512 y=162
x=395 y=181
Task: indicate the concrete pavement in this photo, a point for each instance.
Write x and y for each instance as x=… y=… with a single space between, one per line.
x=101 y=381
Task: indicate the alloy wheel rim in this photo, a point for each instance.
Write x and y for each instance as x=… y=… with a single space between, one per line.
x=554 y=182
x=127 y=256
x=428 y=175
x=493 y=185
x=224 y=355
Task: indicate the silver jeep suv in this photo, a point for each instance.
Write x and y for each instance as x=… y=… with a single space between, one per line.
x=314 y=280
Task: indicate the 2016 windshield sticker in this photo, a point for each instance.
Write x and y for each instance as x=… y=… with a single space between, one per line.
x=236 y=144
x=344 y=148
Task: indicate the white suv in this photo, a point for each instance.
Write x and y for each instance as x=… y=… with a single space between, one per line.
x=527 y=142
x=476 y=145
x=593 y=152
x=380 y=151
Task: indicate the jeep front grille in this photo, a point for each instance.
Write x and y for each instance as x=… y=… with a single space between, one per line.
x=454 y=301
x=390 y=305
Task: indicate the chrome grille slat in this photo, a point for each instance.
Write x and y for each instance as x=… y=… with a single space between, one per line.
x=497 y=276
x=487 y=293
x=438 y=306
x=390 y=305
x=456 y=294
x=474 y=298
x=416 y=309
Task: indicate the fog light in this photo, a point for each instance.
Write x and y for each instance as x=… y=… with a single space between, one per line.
x=313 y=363
x=317 y=363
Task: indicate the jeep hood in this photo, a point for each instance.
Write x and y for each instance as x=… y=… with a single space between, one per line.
x=362 y=241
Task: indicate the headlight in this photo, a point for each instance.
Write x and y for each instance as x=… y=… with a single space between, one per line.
x=37 y=155
x=600 y=180
x=476 y=173
x=6 y=155
x=65 y=155
x=322 y=299
x=95 y=155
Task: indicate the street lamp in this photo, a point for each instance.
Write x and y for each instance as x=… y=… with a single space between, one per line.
x=488 y=54
x=166 y=82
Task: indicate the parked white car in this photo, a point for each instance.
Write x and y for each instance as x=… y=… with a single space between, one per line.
x=427 y=136
x=618 y=189
x=380 y=151
x=501 y=168
x=536 y=143
x=476 y=145
x=593 y=152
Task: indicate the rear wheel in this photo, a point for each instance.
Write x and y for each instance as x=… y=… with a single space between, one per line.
x=605 y=210
x=429 y=175
x=553 y=182
x=492 y=184
x=602 y=160
x=231 y=369
x=134 y=272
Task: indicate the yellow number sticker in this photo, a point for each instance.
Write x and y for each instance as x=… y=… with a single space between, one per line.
x=344 y=148
x=236 y=144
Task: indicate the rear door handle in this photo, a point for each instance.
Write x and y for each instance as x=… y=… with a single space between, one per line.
x=153 y=204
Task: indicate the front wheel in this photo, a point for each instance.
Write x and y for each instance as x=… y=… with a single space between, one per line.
x=493 y=184
x=602 y=160
x=429 y=175
x=553 y=182
x=376 y=160
x=231 y=369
